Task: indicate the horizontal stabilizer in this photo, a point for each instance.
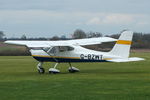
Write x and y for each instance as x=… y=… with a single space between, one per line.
x=127 y=59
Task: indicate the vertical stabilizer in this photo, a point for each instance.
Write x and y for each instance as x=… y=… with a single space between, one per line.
x=122 y=46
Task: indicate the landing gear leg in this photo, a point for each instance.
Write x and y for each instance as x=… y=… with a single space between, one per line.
x=41 y=70
x=54 y=70
x=73 y=69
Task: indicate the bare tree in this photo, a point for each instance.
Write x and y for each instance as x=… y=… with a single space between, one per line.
x=94 y=34
x=79 y=34
x=1 y=35
x=55 y=38
x=23 y=37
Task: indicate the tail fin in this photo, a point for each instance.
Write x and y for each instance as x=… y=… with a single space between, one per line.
x=122 y=46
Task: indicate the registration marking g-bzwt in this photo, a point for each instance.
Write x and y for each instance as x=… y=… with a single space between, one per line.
x=91 y=57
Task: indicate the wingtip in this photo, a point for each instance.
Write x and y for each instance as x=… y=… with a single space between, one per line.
x=7 y=42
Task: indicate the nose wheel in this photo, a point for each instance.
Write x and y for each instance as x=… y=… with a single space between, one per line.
x=41 y=70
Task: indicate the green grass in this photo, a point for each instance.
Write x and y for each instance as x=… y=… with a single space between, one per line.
x=19 y=80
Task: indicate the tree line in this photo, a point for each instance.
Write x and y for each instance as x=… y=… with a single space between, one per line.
x=140 y=40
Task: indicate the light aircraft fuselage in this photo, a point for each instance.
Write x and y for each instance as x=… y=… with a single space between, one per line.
x=78 y=54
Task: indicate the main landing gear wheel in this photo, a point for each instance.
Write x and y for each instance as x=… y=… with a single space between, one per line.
x=54 y=70
x=41 y=70
x=73 y=69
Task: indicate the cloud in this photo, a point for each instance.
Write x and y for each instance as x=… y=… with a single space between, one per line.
x=142 y=23
x=118 y=19
x=28 y=16
x=78 y=18
x=110 y=6
x=111 y=19
x=58 y=22
x=95 y=20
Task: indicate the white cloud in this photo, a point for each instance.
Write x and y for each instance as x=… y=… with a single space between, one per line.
x=142 y=23
x=28 y=16
x=55 y=22
x=118 y=19
x=111 y=19
x=95 y=20
x=88 y=18
x=113 y=6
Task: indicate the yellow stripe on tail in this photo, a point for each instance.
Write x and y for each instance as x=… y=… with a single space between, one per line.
x=124 y=42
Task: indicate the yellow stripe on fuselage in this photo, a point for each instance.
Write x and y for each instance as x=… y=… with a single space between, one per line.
x=56 y=56
x=107 y=59
x=124 y=42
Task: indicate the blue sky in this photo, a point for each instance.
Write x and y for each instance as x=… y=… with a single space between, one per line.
x=46 y=18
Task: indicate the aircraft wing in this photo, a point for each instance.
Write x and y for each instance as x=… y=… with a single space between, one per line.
x=89 y=41
x=38 y=43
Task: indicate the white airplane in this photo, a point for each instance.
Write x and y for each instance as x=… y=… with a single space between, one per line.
x=72 y=51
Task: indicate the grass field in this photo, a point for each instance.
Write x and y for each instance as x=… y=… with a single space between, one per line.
x=19 y=80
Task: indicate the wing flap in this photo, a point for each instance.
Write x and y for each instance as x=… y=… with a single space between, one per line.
x=126 y=60
x=91 y=41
